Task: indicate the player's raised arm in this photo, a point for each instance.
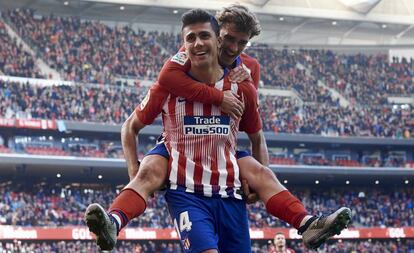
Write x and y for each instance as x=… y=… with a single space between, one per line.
x=173 y=78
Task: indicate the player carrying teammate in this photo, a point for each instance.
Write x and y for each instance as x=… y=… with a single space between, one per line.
x=278 y=200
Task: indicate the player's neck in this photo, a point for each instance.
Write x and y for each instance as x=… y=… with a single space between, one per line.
x=281 y=249
x=207 y=74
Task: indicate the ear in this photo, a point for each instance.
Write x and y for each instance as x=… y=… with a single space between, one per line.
x=219 y=41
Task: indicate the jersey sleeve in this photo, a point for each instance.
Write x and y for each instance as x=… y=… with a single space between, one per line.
x=173 y=78
x=151 y=105
x=250 y=121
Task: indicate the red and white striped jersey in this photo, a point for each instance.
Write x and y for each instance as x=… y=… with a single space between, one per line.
x=201 y=139
x=252 y=67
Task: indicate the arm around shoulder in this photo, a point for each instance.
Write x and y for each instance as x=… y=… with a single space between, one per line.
x=174 y=78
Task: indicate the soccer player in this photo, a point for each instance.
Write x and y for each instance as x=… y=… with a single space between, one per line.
x=279 y=245
x=278 y=200
x=204 y=193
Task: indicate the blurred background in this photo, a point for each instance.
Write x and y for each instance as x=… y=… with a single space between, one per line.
x=336 y=96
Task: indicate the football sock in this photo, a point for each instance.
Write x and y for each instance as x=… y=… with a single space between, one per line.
x=287 y=207
x=126 y=206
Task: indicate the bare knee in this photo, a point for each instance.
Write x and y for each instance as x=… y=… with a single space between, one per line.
x=256 y=175
x=266 y=173
x=152 y=174
x=153 y=170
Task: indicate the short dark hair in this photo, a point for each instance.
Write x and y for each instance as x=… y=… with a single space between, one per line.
x=195 y=16
x=245 y=20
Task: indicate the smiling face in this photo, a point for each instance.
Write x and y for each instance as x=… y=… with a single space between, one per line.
x=233 y=43
x=201 y=44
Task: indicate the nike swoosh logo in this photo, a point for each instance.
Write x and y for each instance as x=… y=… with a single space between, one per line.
x=181 y=100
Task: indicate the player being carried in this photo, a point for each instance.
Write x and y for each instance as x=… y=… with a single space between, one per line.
x=235 y=33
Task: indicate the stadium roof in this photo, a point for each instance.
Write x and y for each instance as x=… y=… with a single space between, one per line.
x=284 y=22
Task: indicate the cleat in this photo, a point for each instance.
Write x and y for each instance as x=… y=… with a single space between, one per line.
x=101 y=224
x=317 y=230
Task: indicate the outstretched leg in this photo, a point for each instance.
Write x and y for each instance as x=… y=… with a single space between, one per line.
x=130 y=203
x=283 y=205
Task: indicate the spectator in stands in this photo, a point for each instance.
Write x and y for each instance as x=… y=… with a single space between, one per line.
x=279 y=245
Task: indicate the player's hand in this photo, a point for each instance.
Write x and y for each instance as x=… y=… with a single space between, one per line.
x=239 y=74
x=232 y=105
x=251 y=197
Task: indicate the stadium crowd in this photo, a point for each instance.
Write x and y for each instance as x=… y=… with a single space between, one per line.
x=42 y=205
x=14 y=61
x=363 y=246
x=87 y=247
x=364 y=78
x=89 y=51
x=94 y=52
x=107 y=104
x=279 y=114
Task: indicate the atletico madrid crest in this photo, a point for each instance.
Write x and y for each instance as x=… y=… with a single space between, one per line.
x=186 y=244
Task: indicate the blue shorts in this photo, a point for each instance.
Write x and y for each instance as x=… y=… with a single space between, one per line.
x=209 y=223
x=161 y=149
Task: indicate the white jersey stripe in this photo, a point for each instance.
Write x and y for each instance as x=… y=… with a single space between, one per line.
x=219 y=85
x=222 y=172
x=237 y=183
x=189 y=176
x=174 y=169
x=197 y=134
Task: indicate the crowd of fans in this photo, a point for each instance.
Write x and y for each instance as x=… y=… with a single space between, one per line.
x=88 y=247
x=93 y=52
x=107 y=104
x=89 y=51
x=15 y=61
x=113 y=104
x=286 y=115
x=364 y=78
x=42 y=205
x=364 y=246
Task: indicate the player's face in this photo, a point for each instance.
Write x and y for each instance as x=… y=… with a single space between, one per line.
x=233 y=43
x=201 y=44
x=279 y=240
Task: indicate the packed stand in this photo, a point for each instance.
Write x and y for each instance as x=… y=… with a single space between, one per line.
x=362 y=246
x=280 y=115
x=42 y=205
x=58 y=206
x=87 y=247
x=370 y=207
x=14 y=60
x=89 y=51
x=171 y=42
x=281 y=69
x=348 y=246
x=366 y=79
x=286 y=115
x=107 y=104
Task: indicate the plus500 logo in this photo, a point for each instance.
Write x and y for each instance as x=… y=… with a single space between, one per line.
x=206 y=125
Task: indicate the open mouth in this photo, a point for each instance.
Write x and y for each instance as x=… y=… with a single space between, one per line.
x=201 y=53
x=230 y=55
